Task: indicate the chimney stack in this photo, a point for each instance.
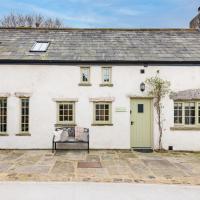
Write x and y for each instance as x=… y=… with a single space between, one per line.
x=195 y=23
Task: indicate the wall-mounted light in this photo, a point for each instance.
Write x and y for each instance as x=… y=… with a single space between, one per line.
x=142 y=87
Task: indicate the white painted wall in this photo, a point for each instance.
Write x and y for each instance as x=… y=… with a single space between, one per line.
x=59 y=81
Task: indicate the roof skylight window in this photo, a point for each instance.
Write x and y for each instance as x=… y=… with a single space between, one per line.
x=40 y=46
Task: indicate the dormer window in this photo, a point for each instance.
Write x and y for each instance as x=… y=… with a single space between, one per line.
x=40 y=46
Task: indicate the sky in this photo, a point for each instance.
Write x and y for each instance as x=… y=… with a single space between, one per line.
x=109 y=13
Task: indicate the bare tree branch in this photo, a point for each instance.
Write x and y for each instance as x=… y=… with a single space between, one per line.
x=35 y=21
x=158 y=88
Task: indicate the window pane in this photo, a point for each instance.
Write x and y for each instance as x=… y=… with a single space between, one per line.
x=66 y=112
x=106 y=106
x=85 y=74
x=178 y=113
x=3 y=115
x=66 y=106
x=101 y=106
x=192 y=120
x=61 y=112
x=140 y=108
x=102 y=112
x=106 y=74
x=97 y=118
x=190 y=113
x=199 y=112
x=40 y=46
x=106 y=112
x=106 y=118
x=24 y=114
x=101 y=118
x=65 y=118
x=61 y=118
x=187 y=112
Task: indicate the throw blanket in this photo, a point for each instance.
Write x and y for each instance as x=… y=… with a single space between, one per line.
x=81 y=134
x=77 y=133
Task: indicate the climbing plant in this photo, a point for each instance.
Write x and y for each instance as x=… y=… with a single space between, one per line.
x=158 y=88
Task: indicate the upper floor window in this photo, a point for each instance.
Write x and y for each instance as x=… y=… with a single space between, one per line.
x=85 y=75
x=106 y=75
x=40 y=46
x=3 y=115
x=24 y=115
x=66 y=112
x=187 y=113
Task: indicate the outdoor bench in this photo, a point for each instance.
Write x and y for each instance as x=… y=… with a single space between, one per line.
x=70 y=135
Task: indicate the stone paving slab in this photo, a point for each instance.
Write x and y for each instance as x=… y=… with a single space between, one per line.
x=117 y=166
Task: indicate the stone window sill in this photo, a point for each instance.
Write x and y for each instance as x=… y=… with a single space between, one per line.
x=3 y=134
x=65 y=125
x=106 y=85
x=23 y=134
x=185 y=128
x=85 y=84
x=96 y=124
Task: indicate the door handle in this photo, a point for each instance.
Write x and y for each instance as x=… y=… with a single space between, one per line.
x=132 y=122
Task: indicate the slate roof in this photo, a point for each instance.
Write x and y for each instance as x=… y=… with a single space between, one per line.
x=192 y=94
x=103 y=45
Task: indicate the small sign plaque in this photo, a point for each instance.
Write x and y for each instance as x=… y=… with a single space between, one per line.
x=120 y=109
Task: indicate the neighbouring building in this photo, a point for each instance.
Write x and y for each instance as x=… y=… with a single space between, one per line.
x=92 y=78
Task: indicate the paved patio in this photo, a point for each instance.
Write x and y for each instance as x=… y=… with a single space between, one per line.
x=100 y=166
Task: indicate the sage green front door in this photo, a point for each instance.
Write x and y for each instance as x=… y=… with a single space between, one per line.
x=141 y=123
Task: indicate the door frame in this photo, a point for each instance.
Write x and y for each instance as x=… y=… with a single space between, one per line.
x=150 y=98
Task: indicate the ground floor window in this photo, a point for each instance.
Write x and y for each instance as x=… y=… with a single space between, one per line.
x=3 y=115
x=24 y=115
x=66 y=112
x=102 y=113
x=199 y=112
x=187 y=113
x=190 y=113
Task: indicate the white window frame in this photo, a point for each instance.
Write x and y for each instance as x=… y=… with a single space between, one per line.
x=178 y=116
x=40 y=46
x=5 y=115
x=109 y=70
x=197 y=112
x=81 y=75
x=102 y=122
x=73 y=121
x=24 y=115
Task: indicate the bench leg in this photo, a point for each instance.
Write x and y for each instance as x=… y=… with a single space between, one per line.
x=53 y=147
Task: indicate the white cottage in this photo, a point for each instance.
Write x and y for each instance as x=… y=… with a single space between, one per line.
x=92 y=78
